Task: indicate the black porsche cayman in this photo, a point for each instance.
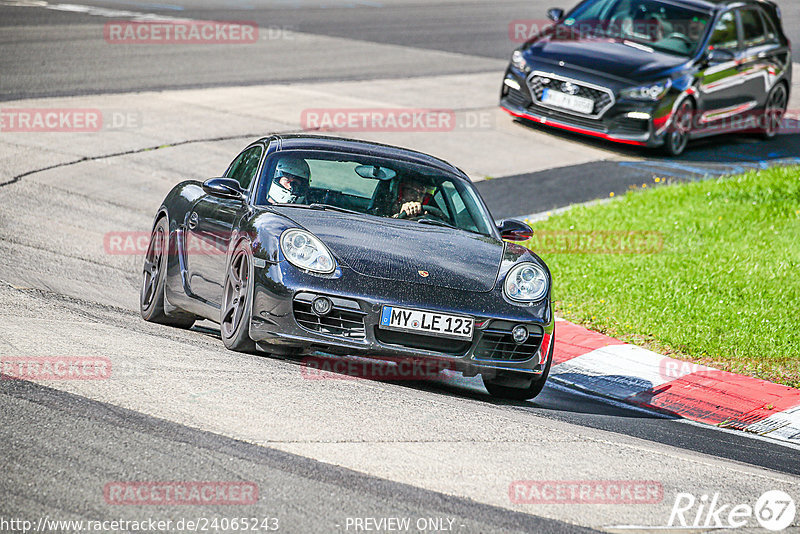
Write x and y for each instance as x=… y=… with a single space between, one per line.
x=316 y=243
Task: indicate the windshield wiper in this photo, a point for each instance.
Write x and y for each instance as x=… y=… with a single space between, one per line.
x=321 y=207
x=318 y=206
x=437 y=222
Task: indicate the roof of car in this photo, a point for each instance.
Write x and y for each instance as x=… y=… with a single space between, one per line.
x=712 y=4
x=355 y=146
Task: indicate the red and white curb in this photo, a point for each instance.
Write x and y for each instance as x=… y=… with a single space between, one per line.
x=598 y=364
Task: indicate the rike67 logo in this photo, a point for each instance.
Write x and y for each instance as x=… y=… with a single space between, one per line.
x=775 y=510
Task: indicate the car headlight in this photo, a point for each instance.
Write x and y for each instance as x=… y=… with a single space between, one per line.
x=518 y=60
x=302 y=249
x=527 y=282
x=652 y=92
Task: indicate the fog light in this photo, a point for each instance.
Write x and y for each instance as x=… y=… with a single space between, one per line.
x=322 y=305
x=514 y=84
x=520 y=334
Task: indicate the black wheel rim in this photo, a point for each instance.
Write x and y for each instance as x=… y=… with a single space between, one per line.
x=681 y=128
x=776 y=107
x=234 y=297
x=152 y=267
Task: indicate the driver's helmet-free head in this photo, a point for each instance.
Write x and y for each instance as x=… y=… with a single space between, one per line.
x=290 y=181
x=412 y=189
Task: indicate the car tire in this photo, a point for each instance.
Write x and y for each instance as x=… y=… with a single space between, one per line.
x=237 y=300
x=154 y=275
x=774 y=110
x=677 y=138
x=519 y=394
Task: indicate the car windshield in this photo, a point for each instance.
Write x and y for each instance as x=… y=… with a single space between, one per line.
x=649 y=24
x=371 y=185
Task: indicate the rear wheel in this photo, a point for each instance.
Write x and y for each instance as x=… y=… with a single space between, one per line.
x=237 y=301
x=774 y=111
x=151 y=297
x=678 y=135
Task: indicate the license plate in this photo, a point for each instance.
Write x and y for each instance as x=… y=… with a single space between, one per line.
x=426 y=322
x=570 y=102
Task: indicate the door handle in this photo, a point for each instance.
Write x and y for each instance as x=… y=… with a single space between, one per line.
x=193 y=220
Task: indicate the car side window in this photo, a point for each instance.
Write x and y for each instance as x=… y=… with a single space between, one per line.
x=725 y=33
x=462 y=216
x=244 y=167
x=753 y=29
x=769 y=26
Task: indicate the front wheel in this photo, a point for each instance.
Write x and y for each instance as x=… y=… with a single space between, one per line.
x=498 y=387
x=774 y=111
x=237 y=301
x=154 y=275
x=679 y=131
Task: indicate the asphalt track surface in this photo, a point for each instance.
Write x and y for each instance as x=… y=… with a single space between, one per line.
x=312 y=450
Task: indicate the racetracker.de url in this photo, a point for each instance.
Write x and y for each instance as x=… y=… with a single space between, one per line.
x=198 y=524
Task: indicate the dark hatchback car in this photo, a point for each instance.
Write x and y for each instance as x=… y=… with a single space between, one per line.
x=654 y=73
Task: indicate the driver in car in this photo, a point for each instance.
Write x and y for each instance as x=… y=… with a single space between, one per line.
x=290 y=181
x=410 y=196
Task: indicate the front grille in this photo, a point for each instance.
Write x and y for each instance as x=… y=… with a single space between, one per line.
x=498 y=345
x=423 y=342
x=345 y=319
x=572 y=120
x=602 y=99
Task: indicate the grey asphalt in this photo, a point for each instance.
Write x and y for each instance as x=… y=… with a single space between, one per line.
x=60 y=450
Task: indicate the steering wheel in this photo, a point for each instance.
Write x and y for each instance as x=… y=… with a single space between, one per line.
x=680 y=36
x=429 y=210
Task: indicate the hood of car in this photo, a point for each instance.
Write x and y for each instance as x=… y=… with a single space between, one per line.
x=604 y=57
x=405 y=251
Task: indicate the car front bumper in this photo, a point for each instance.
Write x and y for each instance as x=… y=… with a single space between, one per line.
x=631 y=123
x=282 y=321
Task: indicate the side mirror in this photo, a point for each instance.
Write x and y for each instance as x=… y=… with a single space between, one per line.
x=720 y=55
x=555 y=14
x=224 y=188
x=513 y=230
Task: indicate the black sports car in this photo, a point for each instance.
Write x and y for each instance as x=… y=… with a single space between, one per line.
x=655 y=72
x=316 y=243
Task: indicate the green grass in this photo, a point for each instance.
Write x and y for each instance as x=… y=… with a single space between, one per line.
x=723 y=291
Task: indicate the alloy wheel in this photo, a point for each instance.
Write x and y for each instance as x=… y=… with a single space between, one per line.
x=152 y=266
x=235 y=295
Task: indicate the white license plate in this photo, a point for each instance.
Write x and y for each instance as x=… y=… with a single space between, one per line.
x=570 y=102
x=426 y=322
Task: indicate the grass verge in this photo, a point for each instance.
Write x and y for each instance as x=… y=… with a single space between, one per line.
x=710 y=271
